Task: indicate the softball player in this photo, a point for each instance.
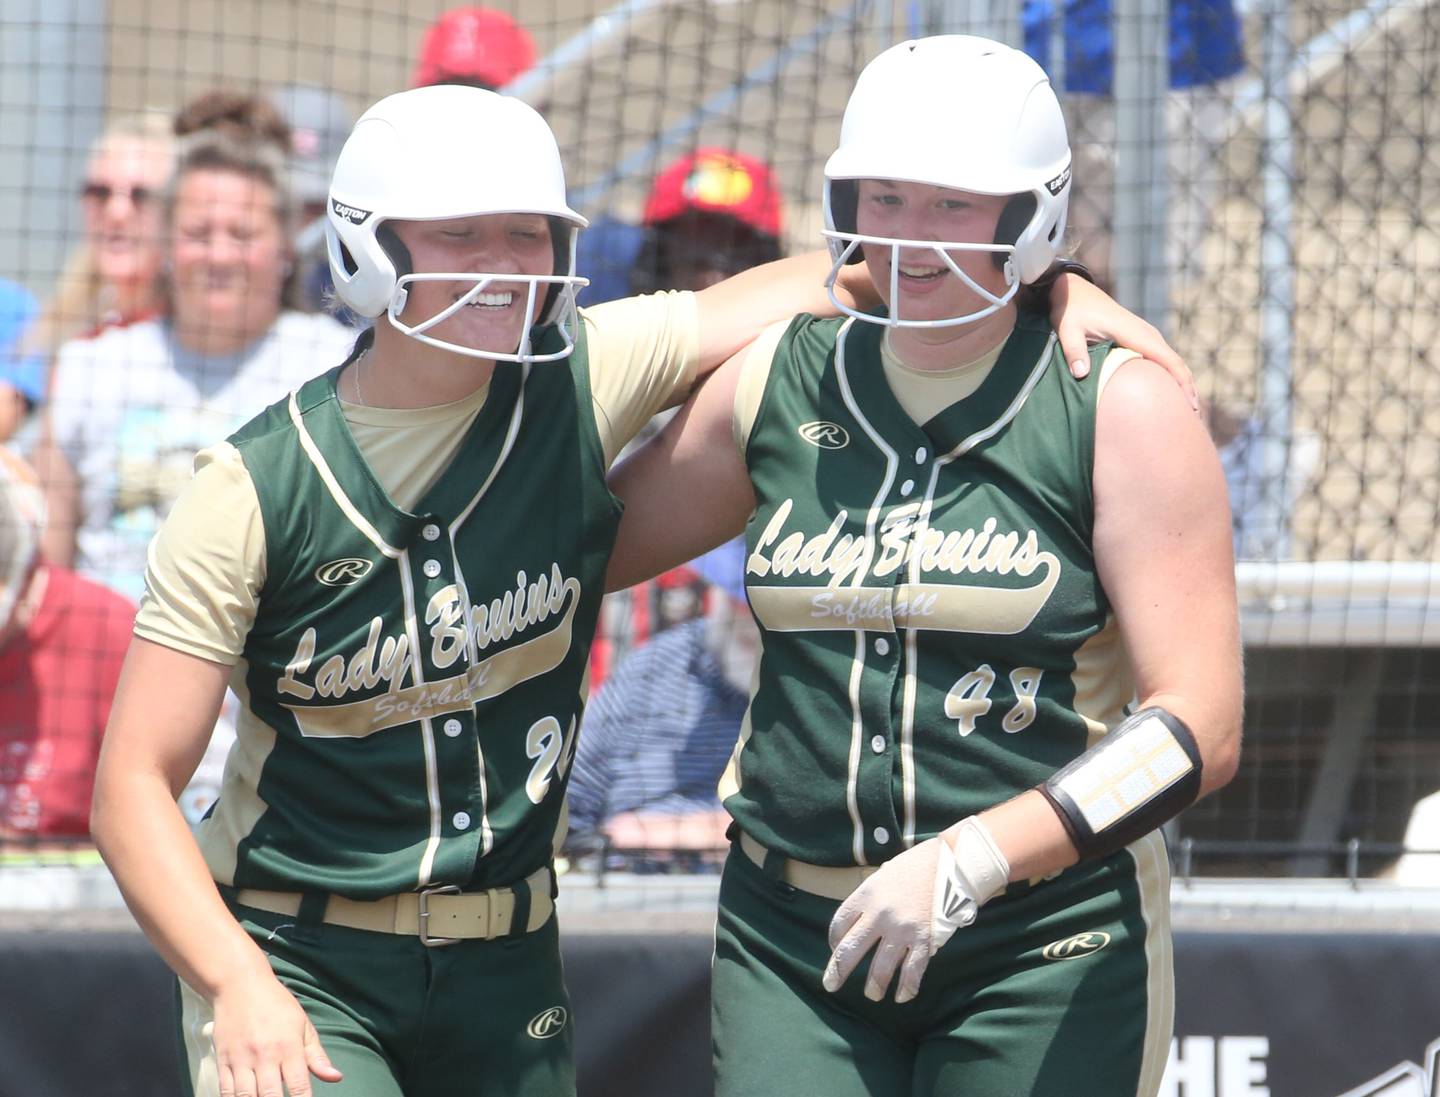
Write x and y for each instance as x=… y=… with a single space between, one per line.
x=398 y=569
x=964 y=563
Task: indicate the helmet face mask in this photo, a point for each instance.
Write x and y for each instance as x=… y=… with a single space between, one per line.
x=437 y=153
x=1007 y=138
x=846 y=247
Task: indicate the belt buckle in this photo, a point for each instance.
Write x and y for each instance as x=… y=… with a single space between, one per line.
x=425 y=938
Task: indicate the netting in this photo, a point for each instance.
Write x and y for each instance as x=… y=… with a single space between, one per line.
x=1259 y=180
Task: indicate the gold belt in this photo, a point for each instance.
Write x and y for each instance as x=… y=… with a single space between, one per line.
x=438 y=916
x=827 y=882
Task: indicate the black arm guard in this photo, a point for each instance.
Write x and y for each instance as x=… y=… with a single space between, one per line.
x=1140 y=776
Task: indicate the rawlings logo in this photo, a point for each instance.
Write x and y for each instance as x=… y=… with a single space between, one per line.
x=825 y=435
x=547 y=1023
x=349 y=213
x=1082 y=944
x=343 y=573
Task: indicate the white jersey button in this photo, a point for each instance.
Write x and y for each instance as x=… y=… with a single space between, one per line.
x=877 y=744
x=431 y=532
x=907 y=487
x=461 y=819
x=920 y=455
x=882 y=646
x=452 y=728
x=431 y=568
x=882 y=835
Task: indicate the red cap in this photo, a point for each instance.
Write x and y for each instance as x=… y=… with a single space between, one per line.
x=717 y=181
x=478 y=44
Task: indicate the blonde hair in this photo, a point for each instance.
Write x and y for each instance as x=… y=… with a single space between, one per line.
x=78 y=305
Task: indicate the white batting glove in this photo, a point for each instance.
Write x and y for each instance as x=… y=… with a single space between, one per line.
x=912 y=906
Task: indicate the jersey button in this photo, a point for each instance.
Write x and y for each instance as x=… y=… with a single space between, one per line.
x=882 y=836
x=920 y=455
x=461 y=819
x=907 y=487
x=431 y=568
x=882 y=646
x=877 y=744
x=452 y=728
x=431 y=532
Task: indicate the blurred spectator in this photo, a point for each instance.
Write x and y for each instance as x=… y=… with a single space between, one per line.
x=129 y=408
x=22 y=374
x=479 y=47
x=709 y=215
x=111 y=278
x=657 y=737
x=1261 y=501
x=62 y=639
x=1206 y=49
x=319 y=122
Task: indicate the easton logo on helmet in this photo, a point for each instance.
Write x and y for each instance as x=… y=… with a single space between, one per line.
x=1056 y=185
x=350 y=213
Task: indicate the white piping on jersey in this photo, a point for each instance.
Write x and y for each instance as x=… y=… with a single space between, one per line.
x=922 y=525
x=412 y=630
x=487 y=834
x=327 y=477
x=892 y=462
x=1152 y=869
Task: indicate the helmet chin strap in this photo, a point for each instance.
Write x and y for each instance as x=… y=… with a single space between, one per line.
x=941 y=248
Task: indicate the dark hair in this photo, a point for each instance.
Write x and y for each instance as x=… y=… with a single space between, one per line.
x=235 y=115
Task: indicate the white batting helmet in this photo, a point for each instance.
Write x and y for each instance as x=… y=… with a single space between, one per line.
x=441 y=152
x=1004 y=135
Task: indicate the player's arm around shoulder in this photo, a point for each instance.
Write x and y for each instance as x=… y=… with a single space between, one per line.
x=1162 y=541
x=734 y=312
x=687 y=489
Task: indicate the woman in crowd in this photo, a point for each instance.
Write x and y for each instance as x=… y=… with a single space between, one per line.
x=130 y=407
x=111 y=279
x=964 y=563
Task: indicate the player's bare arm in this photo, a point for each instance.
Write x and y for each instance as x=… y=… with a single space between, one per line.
x=1084 y=313
x=1163 y=551
x=685 y=491
x=164 y=711
x=733 y=312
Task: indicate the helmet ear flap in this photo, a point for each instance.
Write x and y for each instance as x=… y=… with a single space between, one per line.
x=1014 y=219
x=844 y=207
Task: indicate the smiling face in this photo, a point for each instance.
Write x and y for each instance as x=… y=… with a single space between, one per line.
x=229 y=257
x=121 y=203
x=929 y=289
x=494 y=243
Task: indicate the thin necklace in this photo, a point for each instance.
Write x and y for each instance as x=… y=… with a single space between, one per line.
x=360 y=396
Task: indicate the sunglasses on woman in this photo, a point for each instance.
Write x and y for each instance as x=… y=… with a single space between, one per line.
x=101 y=193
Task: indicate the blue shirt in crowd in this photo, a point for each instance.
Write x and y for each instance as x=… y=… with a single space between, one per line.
x=1205 y=42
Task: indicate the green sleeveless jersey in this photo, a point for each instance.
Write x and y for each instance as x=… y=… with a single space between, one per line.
x=421 y=673
x=935 y=637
